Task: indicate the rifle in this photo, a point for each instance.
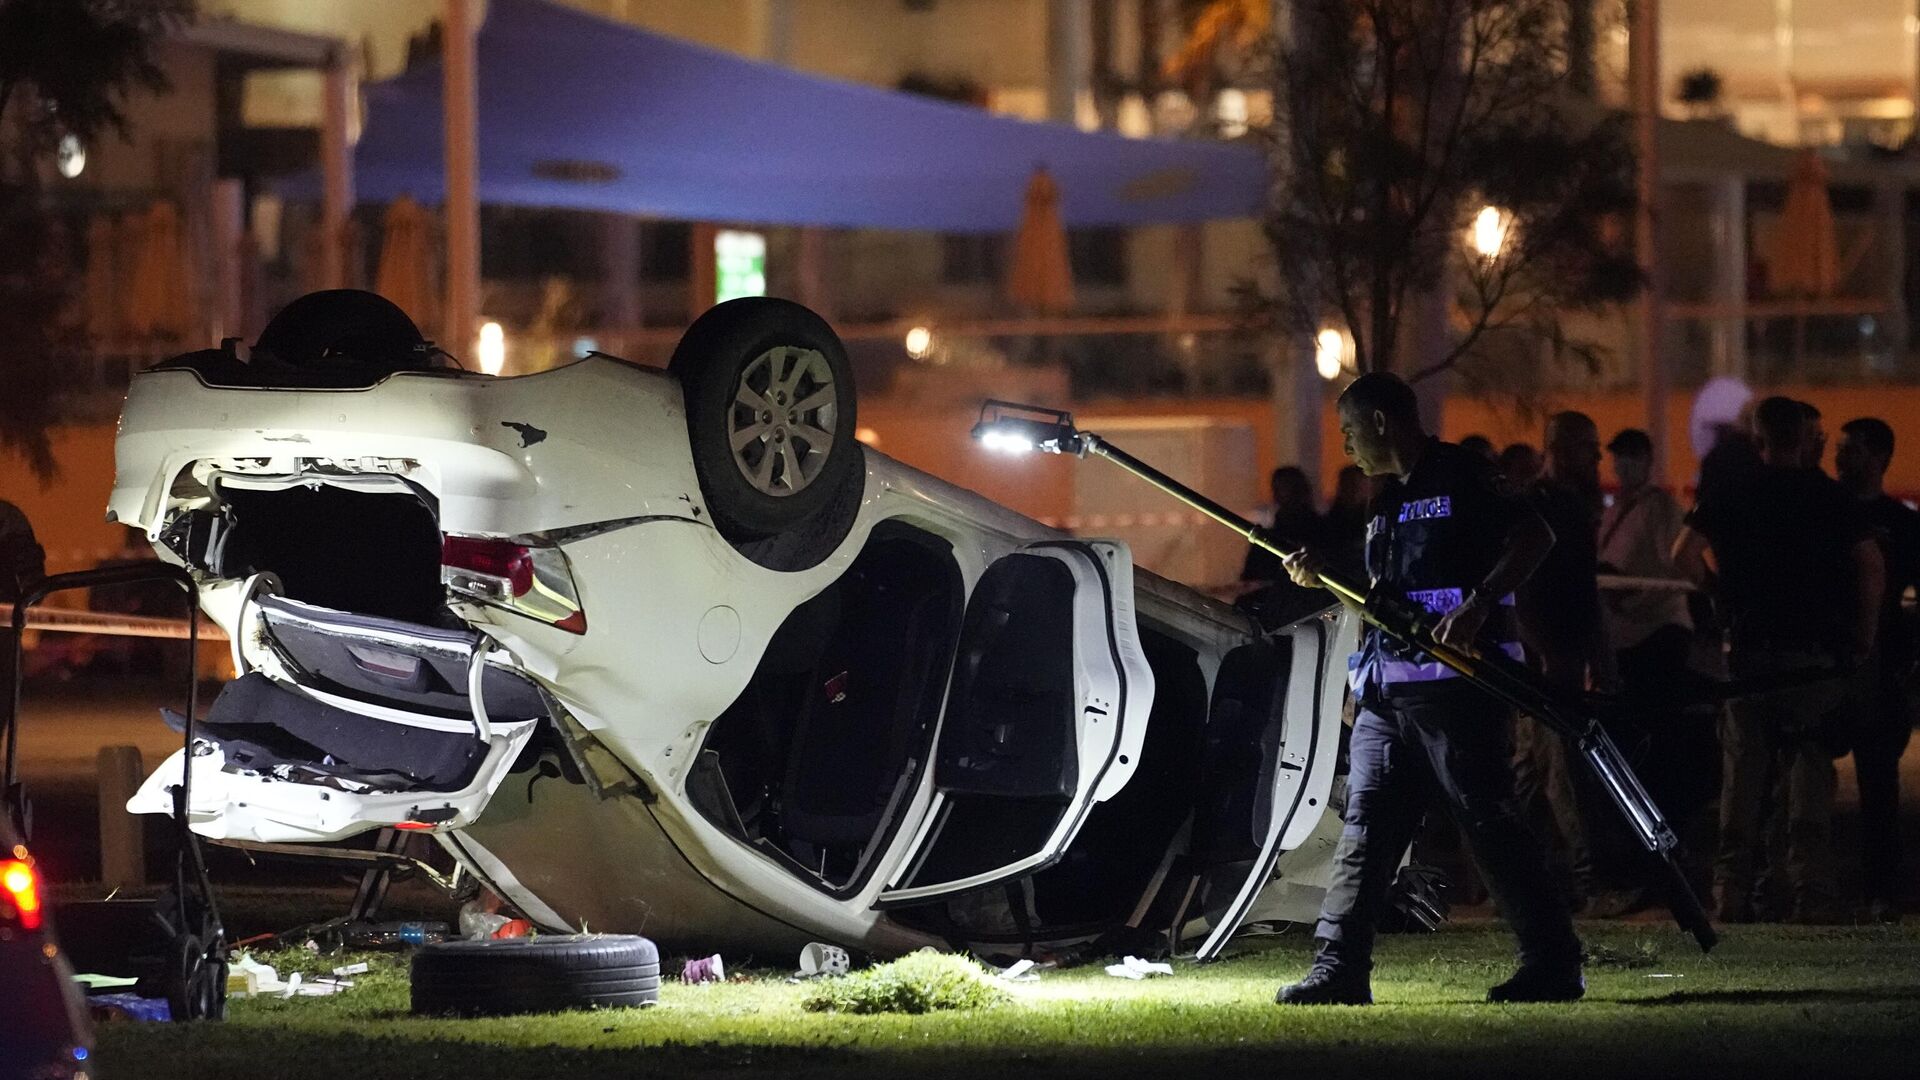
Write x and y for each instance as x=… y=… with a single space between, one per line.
x=1010 y=426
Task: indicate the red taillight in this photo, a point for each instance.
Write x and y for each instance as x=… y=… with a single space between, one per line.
x=527 y=575
x=508 y=563
x=21 y=887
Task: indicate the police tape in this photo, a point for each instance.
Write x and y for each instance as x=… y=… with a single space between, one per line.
x=70 y=621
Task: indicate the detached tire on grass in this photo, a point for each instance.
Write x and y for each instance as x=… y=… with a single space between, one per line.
x=535 y=975
x=770 y=415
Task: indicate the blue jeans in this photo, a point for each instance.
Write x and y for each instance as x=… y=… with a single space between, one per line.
x=1449 y=739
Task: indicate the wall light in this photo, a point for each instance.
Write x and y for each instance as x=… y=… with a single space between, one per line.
x=1332 y=351
x=919 y=342
x=71 y=158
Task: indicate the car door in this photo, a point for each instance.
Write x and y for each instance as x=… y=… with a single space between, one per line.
x=1046 y=712
x=1296 y=713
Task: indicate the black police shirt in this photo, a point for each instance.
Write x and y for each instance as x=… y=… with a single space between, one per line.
x=1432 y=537
x=1783 y=539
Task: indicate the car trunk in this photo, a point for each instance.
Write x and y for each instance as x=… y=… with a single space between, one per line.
x=373 y=553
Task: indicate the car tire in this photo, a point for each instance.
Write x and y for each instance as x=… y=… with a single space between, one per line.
x=764 y=471
x=545 y=973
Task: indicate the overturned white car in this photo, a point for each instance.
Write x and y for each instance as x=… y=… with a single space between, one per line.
x=671 y=653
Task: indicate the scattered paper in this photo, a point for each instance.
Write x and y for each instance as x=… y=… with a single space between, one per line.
x=352 y=969
x=1021 y=971
x=1133 y=967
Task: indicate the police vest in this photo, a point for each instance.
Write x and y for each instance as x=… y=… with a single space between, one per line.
x=1431 y=537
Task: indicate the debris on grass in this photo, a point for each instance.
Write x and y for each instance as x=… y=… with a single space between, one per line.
x=1133 y=967
x=1641 y=954
x=920 y=982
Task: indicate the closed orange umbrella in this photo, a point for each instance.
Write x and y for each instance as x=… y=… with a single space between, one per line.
x=1805 y=257
x=1040 y=276
x=405 y=274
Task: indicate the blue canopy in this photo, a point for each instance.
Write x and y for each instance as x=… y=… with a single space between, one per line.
x=580 y=112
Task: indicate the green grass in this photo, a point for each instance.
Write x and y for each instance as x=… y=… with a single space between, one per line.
x=921 y=982
x=1769 y=1001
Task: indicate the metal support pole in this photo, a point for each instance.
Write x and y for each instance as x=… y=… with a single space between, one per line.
x=461 y=104
x=1650 y=315
x=1730 y=276
x=339 y=99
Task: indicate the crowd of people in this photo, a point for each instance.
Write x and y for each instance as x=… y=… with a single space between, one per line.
x=1757 y=636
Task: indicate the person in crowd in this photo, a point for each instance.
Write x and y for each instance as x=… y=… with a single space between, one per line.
x=1813 y=451
x=1559 y=613
x=1801 y=581
x=1520 y=463
x=1651 y=633
x=1447 y=533
x=1269 y=594
x=1345 y=524
x=1882 y=732
x=1290 y=514
x=1481 y=446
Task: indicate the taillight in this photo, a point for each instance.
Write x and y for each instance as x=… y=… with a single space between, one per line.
x=20 y=888
x=520 y=574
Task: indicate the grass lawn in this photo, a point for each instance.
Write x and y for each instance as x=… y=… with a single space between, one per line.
x=1770 y=1001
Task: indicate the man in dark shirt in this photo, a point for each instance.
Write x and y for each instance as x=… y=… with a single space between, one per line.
x=1559 y=609
x=1800 y=579
x=1881 y=734
x=1447 y=533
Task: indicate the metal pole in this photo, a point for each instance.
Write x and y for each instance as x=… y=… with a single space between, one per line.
x=461 y=106
x=1644 y=64
x=337 y=109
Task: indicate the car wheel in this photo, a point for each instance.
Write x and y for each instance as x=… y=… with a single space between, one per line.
x=770 y=415
x=545 y=973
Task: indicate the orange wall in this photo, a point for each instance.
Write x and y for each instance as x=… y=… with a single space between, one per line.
x=69 y=514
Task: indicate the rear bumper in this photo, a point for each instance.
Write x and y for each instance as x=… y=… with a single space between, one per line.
x=594 y=441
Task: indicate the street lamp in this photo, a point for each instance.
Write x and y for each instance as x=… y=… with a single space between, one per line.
x=1489 y=232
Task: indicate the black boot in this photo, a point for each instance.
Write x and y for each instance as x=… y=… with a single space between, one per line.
x=1332 y=981
x=1537 y=983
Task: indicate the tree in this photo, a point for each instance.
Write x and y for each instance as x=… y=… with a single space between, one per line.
x=1417 y=127
x=66 y=68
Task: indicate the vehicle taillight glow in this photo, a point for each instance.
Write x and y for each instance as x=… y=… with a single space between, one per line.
x=21 y=887
x=522 y=574
x=510 y=565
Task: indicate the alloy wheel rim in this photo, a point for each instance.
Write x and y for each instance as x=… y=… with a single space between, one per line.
x=782 y=419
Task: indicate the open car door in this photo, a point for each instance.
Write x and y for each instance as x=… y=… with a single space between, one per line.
x=1278 y=703
x=1046 y=713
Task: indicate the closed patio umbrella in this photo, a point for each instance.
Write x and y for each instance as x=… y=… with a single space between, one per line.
x=1040 y=276
x=1805 y=256
x=405 y=275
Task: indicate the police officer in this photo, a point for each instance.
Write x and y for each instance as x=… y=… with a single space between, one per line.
x=1446 y=531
